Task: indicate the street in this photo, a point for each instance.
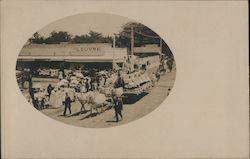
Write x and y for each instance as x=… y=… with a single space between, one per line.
x=131 y=111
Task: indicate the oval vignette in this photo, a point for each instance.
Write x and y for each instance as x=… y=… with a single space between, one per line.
x=95 y=70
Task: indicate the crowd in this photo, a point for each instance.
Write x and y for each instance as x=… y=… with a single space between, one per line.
x=89 y=87
x=73 y=86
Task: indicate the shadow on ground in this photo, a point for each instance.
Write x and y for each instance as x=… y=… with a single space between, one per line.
x=131 y=98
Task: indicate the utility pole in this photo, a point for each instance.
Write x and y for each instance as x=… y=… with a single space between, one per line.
x=114 y=41
x=113 y=61
x=132 y=41
x=160 y=45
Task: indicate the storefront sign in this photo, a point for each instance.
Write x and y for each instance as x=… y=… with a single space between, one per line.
x=67 y=50
x=87 y=51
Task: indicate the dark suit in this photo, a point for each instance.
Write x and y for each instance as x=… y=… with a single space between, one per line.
x=49 y=89
x=118 y=104
x=118 y=108
x=67 y=105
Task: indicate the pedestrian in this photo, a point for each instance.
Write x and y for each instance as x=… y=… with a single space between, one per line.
x=87 y=84
x=36 y=103
x=49 y=89
x=58 y=98
x=42 y=103
x=29 y=79
x=170 y=64
x=158 y=75
x=22 y=81
x=52 y=99
x=67 y=104
x=118 y=106
x=169 y=89
x=60 y=76
x=117 y=96
x=31 y=92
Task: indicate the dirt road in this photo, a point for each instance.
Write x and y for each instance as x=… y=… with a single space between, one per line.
x=131 y=111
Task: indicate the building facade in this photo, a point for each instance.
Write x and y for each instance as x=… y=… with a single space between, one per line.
x=41 y=55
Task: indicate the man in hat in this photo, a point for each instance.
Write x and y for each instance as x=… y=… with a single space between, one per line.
x=49 y=89
x=67 y=104
x=117 y=98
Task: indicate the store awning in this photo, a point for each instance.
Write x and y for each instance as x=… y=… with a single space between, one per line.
x=69 y=59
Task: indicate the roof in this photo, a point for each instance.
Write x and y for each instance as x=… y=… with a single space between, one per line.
x=152 y=48
x=61 y=52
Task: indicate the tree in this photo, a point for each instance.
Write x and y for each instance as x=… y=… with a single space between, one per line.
x=81 y=39
x=36 y=39
x=95 y=36
x=142 y=36
x=92 y=37
x=58 y=37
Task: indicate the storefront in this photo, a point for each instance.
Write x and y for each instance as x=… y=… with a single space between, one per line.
x=99 y=55
x=149 y=57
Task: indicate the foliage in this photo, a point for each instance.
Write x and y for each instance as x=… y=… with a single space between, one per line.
x=58 y=37
x=92 y=37
x=142 y=36
x=140 y=39
x=36 y=39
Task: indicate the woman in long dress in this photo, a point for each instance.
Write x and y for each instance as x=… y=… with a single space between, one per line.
x=60 y=76
x=58 y=100
x=52 y=98
x=62 y=95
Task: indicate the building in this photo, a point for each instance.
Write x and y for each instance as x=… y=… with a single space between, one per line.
x=99 y=55
x=149 y=56
x=147 y=50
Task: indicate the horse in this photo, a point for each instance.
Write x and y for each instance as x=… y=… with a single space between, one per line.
x=81 y=97
x=94 y=100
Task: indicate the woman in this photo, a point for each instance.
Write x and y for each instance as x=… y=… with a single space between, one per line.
x=60 y=77
x=102 y=81
x=58 y=100
x=52 y=98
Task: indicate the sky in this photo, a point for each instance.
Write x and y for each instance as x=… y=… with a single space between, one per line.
x=79 y=24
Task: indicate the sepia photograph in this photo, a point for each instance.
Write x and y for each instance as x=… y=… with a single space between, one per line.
x=95 y=70
x=126 y=79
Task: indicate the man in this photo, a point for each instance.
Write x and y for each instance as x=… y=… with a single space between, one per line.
x=31 y=92
x=36 y=103
x=158 y=75
x=88 y=83
x=170 y=64
x=117 y=97
x=49 y=89
x=67 y=104
x=118 y=106
x=29 y=76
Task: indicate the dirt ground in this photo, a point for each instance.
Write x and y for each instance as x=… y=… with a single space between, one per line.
x=132 y=110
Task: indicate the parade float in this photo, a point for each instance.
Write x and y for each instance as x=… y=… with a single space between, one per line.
x=136 y=83
x=140 y=76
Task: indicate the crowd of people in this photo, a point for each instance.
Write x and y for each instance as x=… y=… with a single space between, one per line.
x=73 y=85
x=88 y=86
